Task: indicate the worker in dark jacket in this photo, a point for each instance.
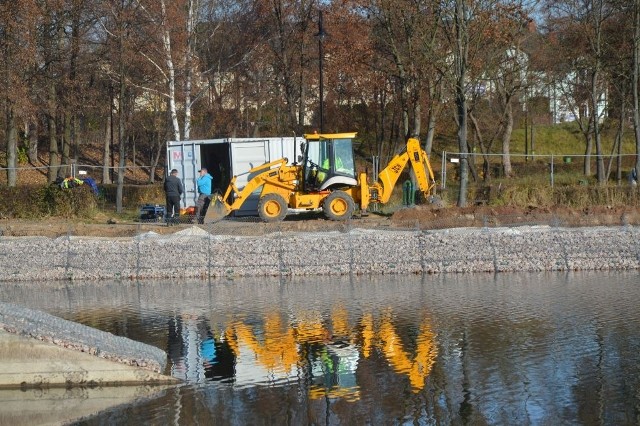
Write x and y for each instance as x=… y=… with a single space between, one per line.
x=173 y=188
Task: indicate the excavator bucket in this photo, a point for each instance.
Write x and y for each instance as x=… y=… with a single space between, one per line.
x=216 y=211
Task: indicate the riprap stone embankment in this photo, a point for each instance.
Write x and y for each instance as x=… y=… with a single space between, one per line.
x=195 y=253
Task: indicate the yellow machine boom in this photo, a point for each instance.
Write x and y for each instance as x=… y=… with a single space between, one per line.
x=381 y=190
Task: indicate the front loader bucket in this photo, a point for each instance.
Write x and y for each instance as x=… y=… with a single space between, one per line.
x=216 y=211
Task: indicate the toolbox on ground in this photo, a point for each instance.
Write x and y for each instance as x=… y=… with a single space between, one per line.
x=152 y=212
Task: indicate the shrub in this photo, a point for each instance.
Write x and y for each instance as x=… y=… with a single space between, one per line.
x=134 y=195
x=23 y=156
x=37 y=201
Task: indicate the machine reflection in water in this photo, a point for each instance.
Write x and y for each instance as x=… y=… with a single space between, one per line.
x=270 y=350
x=534 y=348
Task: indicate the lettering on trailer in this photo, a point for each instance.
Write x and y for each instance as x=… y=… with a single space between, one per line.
x=176 y=155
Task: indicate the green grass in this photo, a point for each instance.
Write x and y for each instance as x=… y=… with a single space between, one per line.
x=567 y=139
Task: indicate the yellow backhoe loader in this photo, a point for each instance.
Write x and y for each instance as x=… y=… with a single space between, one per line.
x=325 y=178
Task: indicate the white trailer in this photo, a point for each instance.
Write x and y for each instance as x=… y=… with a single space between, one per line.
x=225 y=158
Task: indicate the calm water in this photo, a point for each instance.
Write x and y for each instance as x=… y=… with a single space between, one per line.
x=537 y=349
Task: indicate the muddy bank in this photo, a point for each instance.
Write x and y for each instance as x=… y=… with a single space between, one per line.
x=423 y=217
x=195 y=253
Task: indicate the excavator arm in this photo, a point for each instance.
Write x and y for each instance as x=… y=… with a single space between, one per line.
x=388 y=177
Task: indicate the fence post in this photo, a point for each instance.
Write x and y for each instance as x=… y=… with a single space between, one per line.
x=552 y=170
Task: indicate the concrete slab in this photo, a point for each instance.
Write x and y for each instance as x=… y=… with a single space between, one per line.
x=28 y=362
x=41 y=350
x=56 y=406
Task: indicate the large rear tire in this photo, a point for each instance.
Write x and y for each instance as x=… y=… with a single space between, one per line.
x=272 y=208
x=338 y=206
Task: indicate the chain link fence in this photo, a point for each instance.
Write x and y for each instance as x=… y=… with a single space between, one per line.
x=133 y=175
x=554 y=169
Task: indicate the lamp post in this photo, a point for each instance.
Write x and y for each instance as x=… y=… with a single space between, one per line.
x=321 y=36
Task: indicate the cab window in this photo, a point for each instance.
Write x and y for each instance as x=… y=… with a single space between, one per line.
x=343 y=157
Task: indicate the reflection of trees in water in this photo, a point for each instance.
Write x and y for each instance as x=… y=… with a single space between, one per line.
x=519 y=353
x=484 y=374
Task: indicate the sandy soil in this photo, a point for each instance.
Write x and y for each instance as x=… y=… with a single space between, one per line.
x=423 y=217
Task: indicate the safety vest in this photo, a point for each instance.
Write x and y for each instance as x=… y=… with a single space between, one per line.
x=71 y=182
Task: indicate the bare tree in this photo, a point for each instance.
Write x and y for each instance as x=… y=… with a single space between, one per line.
x=408 y=38
x=636 y=76
x=17 y=50
x=120 y=54
x=581 y=26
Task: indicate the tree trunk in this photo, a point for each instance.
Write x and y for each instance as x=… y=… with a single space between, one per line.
x=302 y=111
x=417 y=119
x=406 y=131
x=121 y=144
x=12 y=144
x=600 y=174
x=121 y=130
x=171 y=73
x=461 y=106
x=636 y=76
x=65 y=170
x=33 y=141
x=486 y=172
x=461 y=100
x=188 y=65
x=75 y=137
x=133 y=152
x=617 y=142
x=587 y=155
x=106 y=176
x=431 y=122
x=154 y=163
x=506 y=141
x=54 y=157
x=431 y=130
x=623 y=114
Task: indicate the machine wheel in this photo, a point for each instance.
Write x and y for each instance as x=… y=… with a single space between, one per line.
x=272 y=208
x=338 y=206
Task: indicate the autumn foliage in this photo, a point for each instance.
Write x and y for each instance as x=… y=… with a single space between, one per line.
x=131 y=74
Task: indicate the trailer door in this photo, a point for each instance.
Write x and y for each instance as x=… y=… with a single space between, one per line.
x=185 y=157
x=246 y=155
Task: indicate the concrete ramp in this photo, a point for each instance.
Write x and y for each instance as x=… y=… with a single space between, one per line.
x=41 y=350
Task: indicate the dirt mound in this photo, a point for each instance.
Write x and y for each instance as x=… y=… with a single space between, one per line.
x=428 y=216
x=419 y=217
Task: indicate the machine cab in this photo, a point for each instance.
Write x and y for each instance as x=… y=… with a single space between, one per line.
x=328 y=161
